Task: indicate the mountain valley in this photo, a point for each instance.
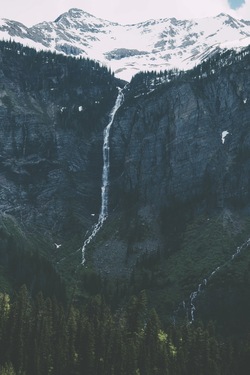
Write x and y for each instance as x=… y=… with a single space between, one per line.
x=162 y=209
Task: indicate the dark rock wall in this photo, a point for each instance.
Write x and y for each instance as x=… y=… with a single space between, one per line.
x=169 y=143
x=169 y=162
x=167 y=153
x=52 y=114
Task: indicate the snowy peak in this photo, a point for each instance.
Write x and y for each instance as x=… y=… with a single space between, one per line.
x=77 y=17
x=127 y=49
x=74 y=14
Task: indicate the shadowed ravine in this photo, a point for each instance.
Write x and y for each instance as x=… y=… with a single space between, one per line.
x=189 y=305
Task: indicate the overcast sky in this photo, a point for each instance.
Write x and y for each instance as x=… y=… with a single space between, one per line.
x=30 y=12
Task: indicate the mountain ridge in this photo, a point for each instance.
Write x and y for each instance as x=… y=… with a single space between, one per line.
x=152 y=45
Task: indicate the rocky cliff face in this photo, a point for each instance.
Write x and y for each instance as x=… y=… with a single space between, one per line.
x=52 y=113
x=187 y=140
x=178 y=150
x=179 y=147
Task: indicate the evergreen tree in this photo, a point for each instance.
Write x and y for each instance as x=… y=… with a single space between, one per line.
x=7 y=369
x=19 y=328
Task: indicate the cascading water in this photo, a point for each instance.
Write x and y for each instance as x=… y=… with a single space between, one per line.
x=189 y=306
x=105 y=175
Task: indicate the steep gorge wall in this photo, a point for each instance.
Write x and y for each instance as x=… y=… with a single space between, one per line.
x=169 y=143
x=167 y=155
x=52 y=113
x=172 y=161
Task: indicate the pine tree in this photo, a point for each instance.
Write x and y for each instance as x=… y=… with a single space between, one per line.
x=86 y=346
x=72 y=353
x=4 y=316
x=59 y=338
x=42 y=334
x=7 y=369
x=19 y=327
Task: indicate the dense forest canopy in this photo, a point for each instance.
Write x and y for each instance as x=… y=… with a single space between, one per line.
x=40 y=337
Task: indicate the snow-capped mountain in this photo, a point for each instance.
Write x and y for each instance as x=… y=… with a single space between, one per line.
x=127 y=49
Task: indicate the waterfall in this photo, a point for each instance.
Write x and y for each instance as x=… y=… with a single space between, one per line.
x=189 y=306
x=105 y=174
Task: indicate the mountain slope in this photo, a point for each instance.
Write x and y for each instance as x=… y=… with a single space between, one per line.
x=171 y=162
x=179 y=171
x=127 y=49
x=53 y=110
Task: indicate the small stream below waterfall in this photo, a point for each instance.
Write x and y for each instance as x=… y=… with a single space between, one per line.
x=188 y=306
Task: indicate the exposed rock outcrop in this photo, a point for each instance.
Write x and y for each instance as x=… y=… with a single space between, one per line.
x=52 y=113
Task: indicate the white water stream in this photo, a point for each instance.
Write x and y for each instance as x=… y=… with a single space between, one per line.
x=105 y=175
x=189 y=306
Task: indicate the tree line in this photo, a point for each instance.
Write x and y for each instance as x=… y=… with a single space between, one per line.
x=40 y=336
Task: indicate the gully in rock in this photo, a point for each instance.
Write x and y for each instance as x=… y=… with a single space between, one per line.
x=105 y=175
x=189 y=306
x=105 y=180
